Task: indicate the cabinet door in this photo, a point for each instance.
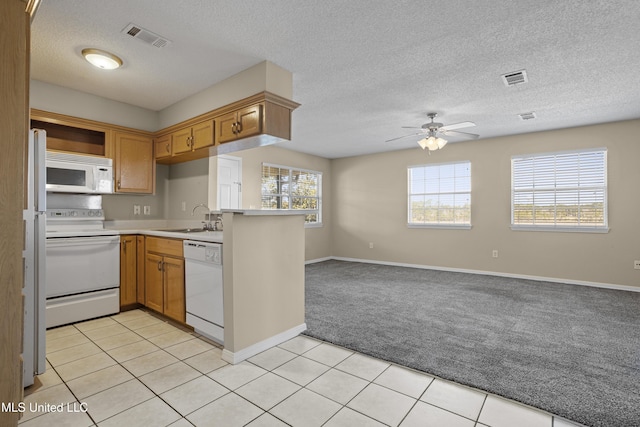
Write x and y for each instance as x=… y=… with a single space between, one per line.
x=140 y=252
x=134 y=163
x=174 y=299
x=249 y=121
x=162 y=146
x=225 y=127
x=153 y=282
x=181 y=141
x=202 y=134
x=128 y=271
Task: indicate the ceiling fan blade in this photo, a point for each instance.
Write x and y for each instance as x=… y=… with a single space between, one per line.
x=406 y=136
x=456 y=132
x=460 y=125
x=410 y=127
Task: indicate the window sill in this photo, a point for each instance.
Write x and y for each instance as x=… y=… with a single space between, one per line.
x=600 y=230
x=313 y=225
x=442 y=226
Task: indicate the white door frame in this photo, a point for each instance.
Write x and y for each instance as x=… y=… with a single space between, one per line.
x=239 y=182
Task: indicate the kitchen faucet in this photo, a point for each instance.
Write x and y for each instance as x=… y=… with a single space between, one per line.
x=206 y=225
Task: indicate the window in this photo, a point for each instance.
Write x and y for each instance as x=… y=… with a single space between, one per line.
x=440 y=195
x=564 y=191
x=287 y=188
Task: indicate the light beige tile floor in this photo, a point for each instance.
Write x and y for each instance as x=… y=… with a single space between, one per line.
x=135 y=369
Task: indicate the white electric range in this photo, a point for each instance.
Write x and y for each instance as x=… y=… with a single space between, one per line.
x=83 y=265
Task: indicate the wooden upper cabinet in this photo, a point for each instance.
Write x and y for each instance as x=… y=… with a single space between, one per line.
x=192 y=138
x=239 y=124
x=181 y=141
x=134 y=163
x=72 y=134
x=162 y=145
x=202 y=135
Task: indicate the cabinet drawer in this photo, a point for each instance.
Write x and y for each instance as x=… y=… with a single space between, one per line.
x=164 y=246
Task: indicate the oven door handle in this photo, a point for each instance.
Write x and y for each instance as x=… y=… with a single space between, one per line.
x=79 y=241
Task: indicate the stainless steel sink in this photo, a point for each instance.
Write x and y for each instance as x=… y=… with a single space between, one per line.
x=186 y=230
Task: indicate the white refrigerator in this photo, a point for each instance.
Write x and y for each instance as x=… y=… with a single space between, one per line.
x=34 y=254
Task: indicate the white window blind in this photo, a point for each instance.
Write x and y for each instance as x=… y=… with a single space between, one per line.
x=565 y=191
x=440 y=195
x=288 y=188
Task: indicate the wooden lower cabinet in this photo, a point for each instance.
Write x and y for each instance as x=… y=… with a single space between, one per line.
x=174 y=298
x=140 y=252
x=164 y=277
x=128 y=270
x=154 y=282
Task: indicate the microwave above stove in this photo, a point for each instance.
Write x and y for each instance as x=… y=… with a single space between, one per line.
x=77 y=173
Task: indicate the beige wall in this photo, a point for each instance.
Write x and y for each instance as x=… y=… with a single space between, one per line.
x=264 y=76
x=263 y=278
x=369 y=204
x=187 y=182
x=318 y=243
x=58 y=99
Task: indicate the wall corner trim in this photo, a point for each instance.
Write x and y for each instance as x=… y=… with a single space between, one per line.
x=247 y=352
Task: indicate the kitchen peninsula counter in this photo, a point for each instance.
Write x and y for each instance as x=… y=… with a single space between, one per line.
x=263 y=255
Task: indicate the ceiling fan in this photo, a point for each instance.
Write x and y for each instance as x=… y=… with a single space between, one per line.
x=431 y=133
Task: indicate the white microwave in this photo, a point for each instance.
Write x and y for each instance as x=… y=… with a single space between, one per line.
x=77 y=173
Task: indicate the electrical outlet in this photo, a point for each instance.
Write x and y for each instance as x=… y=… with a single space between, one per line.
x=494 y=253
x=136 y=209
x=636 y=264
x=147 y=210
x=370 y=245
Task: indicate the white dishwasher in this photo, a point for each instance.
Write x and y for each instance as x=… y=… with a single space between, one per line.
x=203 y=288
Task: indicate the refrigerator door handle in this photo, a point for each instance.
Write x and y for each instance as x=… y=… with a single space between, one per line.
x=41 y=293
x=40 y=152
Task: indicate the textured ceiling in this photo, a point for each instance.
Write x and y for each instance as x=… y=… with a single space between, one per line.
x=363 y=68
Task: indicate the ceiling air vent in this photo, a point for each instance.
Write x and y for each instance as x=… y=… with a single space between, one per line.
x=145 y=36
x=515 y=78
x=527 y=116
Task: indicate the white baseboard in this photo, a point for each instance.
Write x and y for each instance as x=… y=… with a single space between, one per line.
x=497 y=273
x=259 y=347
x=313 y=261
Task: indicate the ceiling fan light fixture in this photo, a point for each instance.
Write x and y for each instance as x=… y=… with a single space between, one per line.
x=101 y=59
x=432 y=143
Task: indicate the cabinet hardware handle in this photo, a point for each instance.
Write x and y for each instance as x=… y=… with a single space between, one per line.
x=168 y=148
x=119 y=185
x=233 y=128
x=159 y=265
x=239 y=127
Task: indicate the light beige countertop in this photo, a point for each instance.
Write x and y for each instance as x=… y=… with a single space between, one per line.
x=166 y=228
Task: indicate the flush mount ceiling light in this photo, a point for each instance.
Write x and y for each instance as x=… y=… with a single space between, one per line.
x=101 y=59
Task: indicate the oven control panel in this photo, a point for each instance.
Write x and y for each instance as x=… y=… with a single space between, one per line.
x=75 y=214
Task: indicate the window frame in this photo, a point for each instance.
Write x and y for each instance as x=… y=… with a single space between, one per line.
x=558 y=226
x=290 y=169
x=455 y=226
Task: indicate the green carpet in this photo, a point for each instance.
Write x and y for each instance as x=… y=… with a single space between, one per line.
x=571 y=350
